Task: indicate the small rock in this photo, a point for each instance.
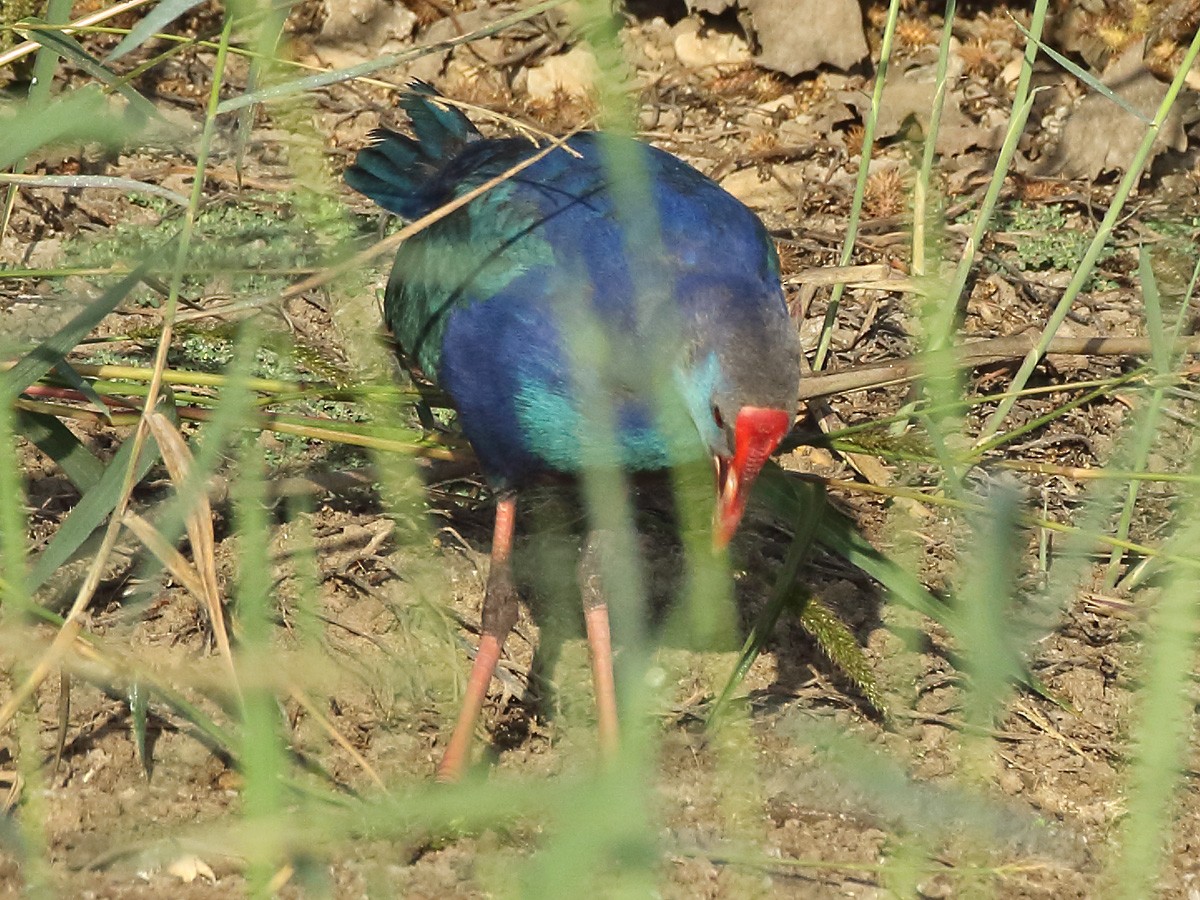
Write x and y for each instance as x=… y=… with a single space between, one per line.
x=572 y=74
x=786 y=103
x=797 y=36
x=757 y=193
x=370 y=23
x=1011 y=782
x=189 y=867
x=701 y=50
x=1099 y=137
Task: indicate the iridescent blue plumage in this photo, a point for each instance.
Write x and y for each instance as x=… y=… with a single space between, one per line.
x=482 y=299
x=573 y=330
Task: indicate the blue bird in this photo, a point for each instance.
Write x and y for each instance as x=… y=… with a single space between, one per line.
x=572 y=328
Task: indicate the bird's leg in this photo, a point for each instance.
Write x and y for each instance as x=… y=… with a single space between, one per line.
x=595 y=616
x=499 y=616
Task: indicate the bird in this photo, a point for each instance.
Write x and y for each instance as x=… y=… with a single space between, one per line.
x=559 y=305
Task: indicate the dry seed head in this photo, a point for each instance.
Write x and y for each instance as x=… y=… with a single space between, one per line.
x=808 y=94
x=1115 y=32
x=769 y=86
x=1164 y=58
x=789 y=258
x=854 y=139
x=564 y=112
x=913 y=34
x=877 y=15
x=737 y=82
x=997 y=28
x=476 y=88
x=762 y=141
x=1176 y=24
x=979 y=58
x=748 y=80
x=885 y=194
x=1041 y=189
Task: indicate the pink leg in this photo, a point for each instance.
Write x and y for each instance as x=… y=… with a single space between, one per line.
x=595 y=616
x=499 y=617
x=600 y=642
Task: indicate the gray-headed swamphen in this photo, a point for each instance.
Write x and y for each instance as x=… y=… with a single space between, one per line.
x=530 y=301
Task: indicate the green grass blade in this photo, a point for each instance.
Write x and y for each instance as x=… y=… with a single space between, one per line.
x=106 y=182
x=57 y=441
x=69 y=48
x=81 y=116
x=860 y=185
x=40 y=85
x=45 y=357
x=988 y=630
x=1085 y=76
x=262 y=754
x=263 y=63
x=14 y=549
x=1160 y=340
x=942 y=313
x=1145 y=431
x=839 y=534
x=922 y=189
x=1165 y=723
x=1107 y=225
x=160 y=16
x=72 y=378
x=800 y=505
x=138 y=698
x=90 y=512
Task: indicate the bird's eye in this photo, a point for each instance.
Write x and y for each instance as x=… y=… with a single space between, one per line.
x=718 y=418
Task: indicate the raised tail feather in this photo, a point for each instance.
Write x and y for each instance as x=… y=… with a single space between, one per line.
x=397 y=171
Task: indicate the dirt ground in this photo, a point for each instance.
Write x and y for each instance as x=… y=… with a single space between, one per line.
x=397 y=614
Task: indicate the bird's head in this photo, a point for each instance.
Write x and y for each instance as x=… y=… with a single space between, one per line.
x=742 y=382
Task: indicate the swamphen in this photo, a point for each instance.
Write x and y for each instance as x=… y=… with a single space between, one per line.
x=529 y=302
